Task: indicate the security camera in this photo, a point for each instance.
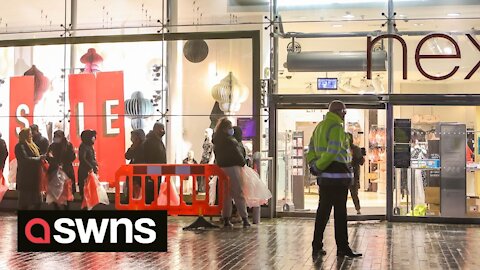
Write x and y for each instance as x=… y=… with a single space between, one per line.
x=288 y=77
x=280 y=71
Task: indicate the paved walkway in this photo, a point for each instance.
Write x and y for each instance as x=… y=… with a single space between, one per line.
x=275 y=244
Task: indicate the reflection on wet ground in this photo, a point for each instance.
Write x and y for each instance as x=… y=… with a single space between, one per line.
x=275 y=244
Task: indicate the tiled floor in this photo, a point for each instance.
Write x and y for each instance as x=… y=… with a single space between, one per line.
x=275 y=244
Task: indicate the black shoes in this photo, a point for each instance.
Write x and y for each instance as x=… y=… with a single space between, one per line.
x=348 y=253
x=246 y=224
x=318 y=252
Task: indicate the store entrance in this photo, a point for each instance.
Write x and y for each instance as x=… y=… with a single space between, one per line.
x=297 y=190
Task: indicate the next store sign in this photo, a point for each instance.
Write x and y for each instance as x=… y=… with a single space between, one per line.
x=457 y=54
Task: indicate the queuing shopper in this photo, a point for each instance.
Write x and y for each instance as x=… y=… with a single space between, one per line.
x=61 y=154
x=28 y=171
x=39 y=140
x=3 y=153
x=155 y=153
x=230 y=159
x=86 y=156
x=357 y=161
x=329 y=157
x=136 y=155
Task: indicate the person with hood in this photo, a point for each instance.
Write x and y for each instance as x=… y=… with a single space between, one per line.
x=136 y=155
x=230 y=158
x=86 y=156
x=28 y=171
x=61 y=153
x=136 y=152
x=39 y=140
x=3 y=152
x=155 y=153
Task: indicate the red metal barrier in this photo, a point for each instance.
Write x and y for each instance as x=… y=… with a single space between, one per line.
x=198 y=207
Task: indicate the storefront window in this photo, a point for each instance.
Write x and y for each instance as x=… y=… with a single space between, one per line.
x=93 y=14
x=297 y=190
x=201 y=92
x=436 y=161
x=322 y=47
x=418 y=22
x=32 y=19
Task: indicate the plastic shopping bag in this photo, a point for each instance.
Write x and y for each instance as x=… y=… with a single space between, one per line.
x=67 y=194
x=255 y=191
x=12 y=172
x=43 y=175
x=56 y=183
x=212 y=195
x=3 y=186
x=93 y=192
x=162 y=196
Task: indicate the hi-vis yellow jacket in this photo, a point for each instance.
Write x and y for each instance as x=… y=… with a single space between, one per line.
x=329 y=151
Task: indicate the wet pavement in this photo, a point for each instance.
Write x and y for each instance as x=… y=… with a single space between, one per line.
x=275 y=244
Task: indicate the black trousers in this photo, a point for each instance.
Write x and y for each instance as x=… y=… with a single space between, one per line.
x=356 y=200
x=336 y=197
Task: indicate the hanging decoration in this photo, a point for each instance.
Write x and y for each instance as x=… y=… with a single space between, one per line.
x=196 y=50
x=40 y=83
x=92 y=60
x=138 y=108
x=230 y=94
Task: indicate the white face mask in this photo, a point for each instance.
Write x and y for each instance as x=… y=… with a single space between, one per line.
x=57 y=140
x=230 y=132
x=93 y=139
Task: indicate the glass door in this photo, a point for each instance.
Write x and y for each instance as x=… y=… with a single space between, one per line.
x=297 y=189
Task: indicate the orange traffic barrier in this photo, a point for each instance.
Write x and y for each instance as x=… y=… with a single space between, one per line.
x=173 y=206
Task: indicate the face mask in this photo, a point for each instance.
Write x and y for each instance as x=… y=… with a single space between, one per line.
x=230 y=132
x=93 y=139
x=57 y=140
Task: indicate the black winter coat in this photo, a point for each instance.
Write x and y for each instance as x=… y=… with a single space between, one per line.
x=357 y=161
x=227 y=151
x=28 y=169
x=64 y=157
x=42 y=144
x=3 y=154
x=155 y=152
x=136 y=155
x=86 y=156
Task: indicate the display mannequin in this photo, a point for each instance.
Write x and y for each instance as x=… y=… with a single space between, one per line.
x=207 y=156
x=188 y=181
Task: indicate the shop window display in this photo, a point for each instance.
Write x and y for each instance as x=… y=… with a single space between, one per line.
x=443 y=177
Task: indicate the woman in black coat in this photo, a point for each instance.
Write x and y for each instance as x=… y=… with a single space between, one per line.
x=136 y=155
x=61 y=153
x=86 y=156
x=28 y=171
x=229 y=157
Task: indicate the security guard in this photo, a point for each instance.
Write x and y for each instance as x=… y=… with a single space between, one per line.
x=329 y=159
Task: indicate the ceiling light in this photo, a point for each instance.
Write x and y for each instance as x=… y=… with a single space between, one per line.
x=418 y=24
x=337 y=25
x=453 y=14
